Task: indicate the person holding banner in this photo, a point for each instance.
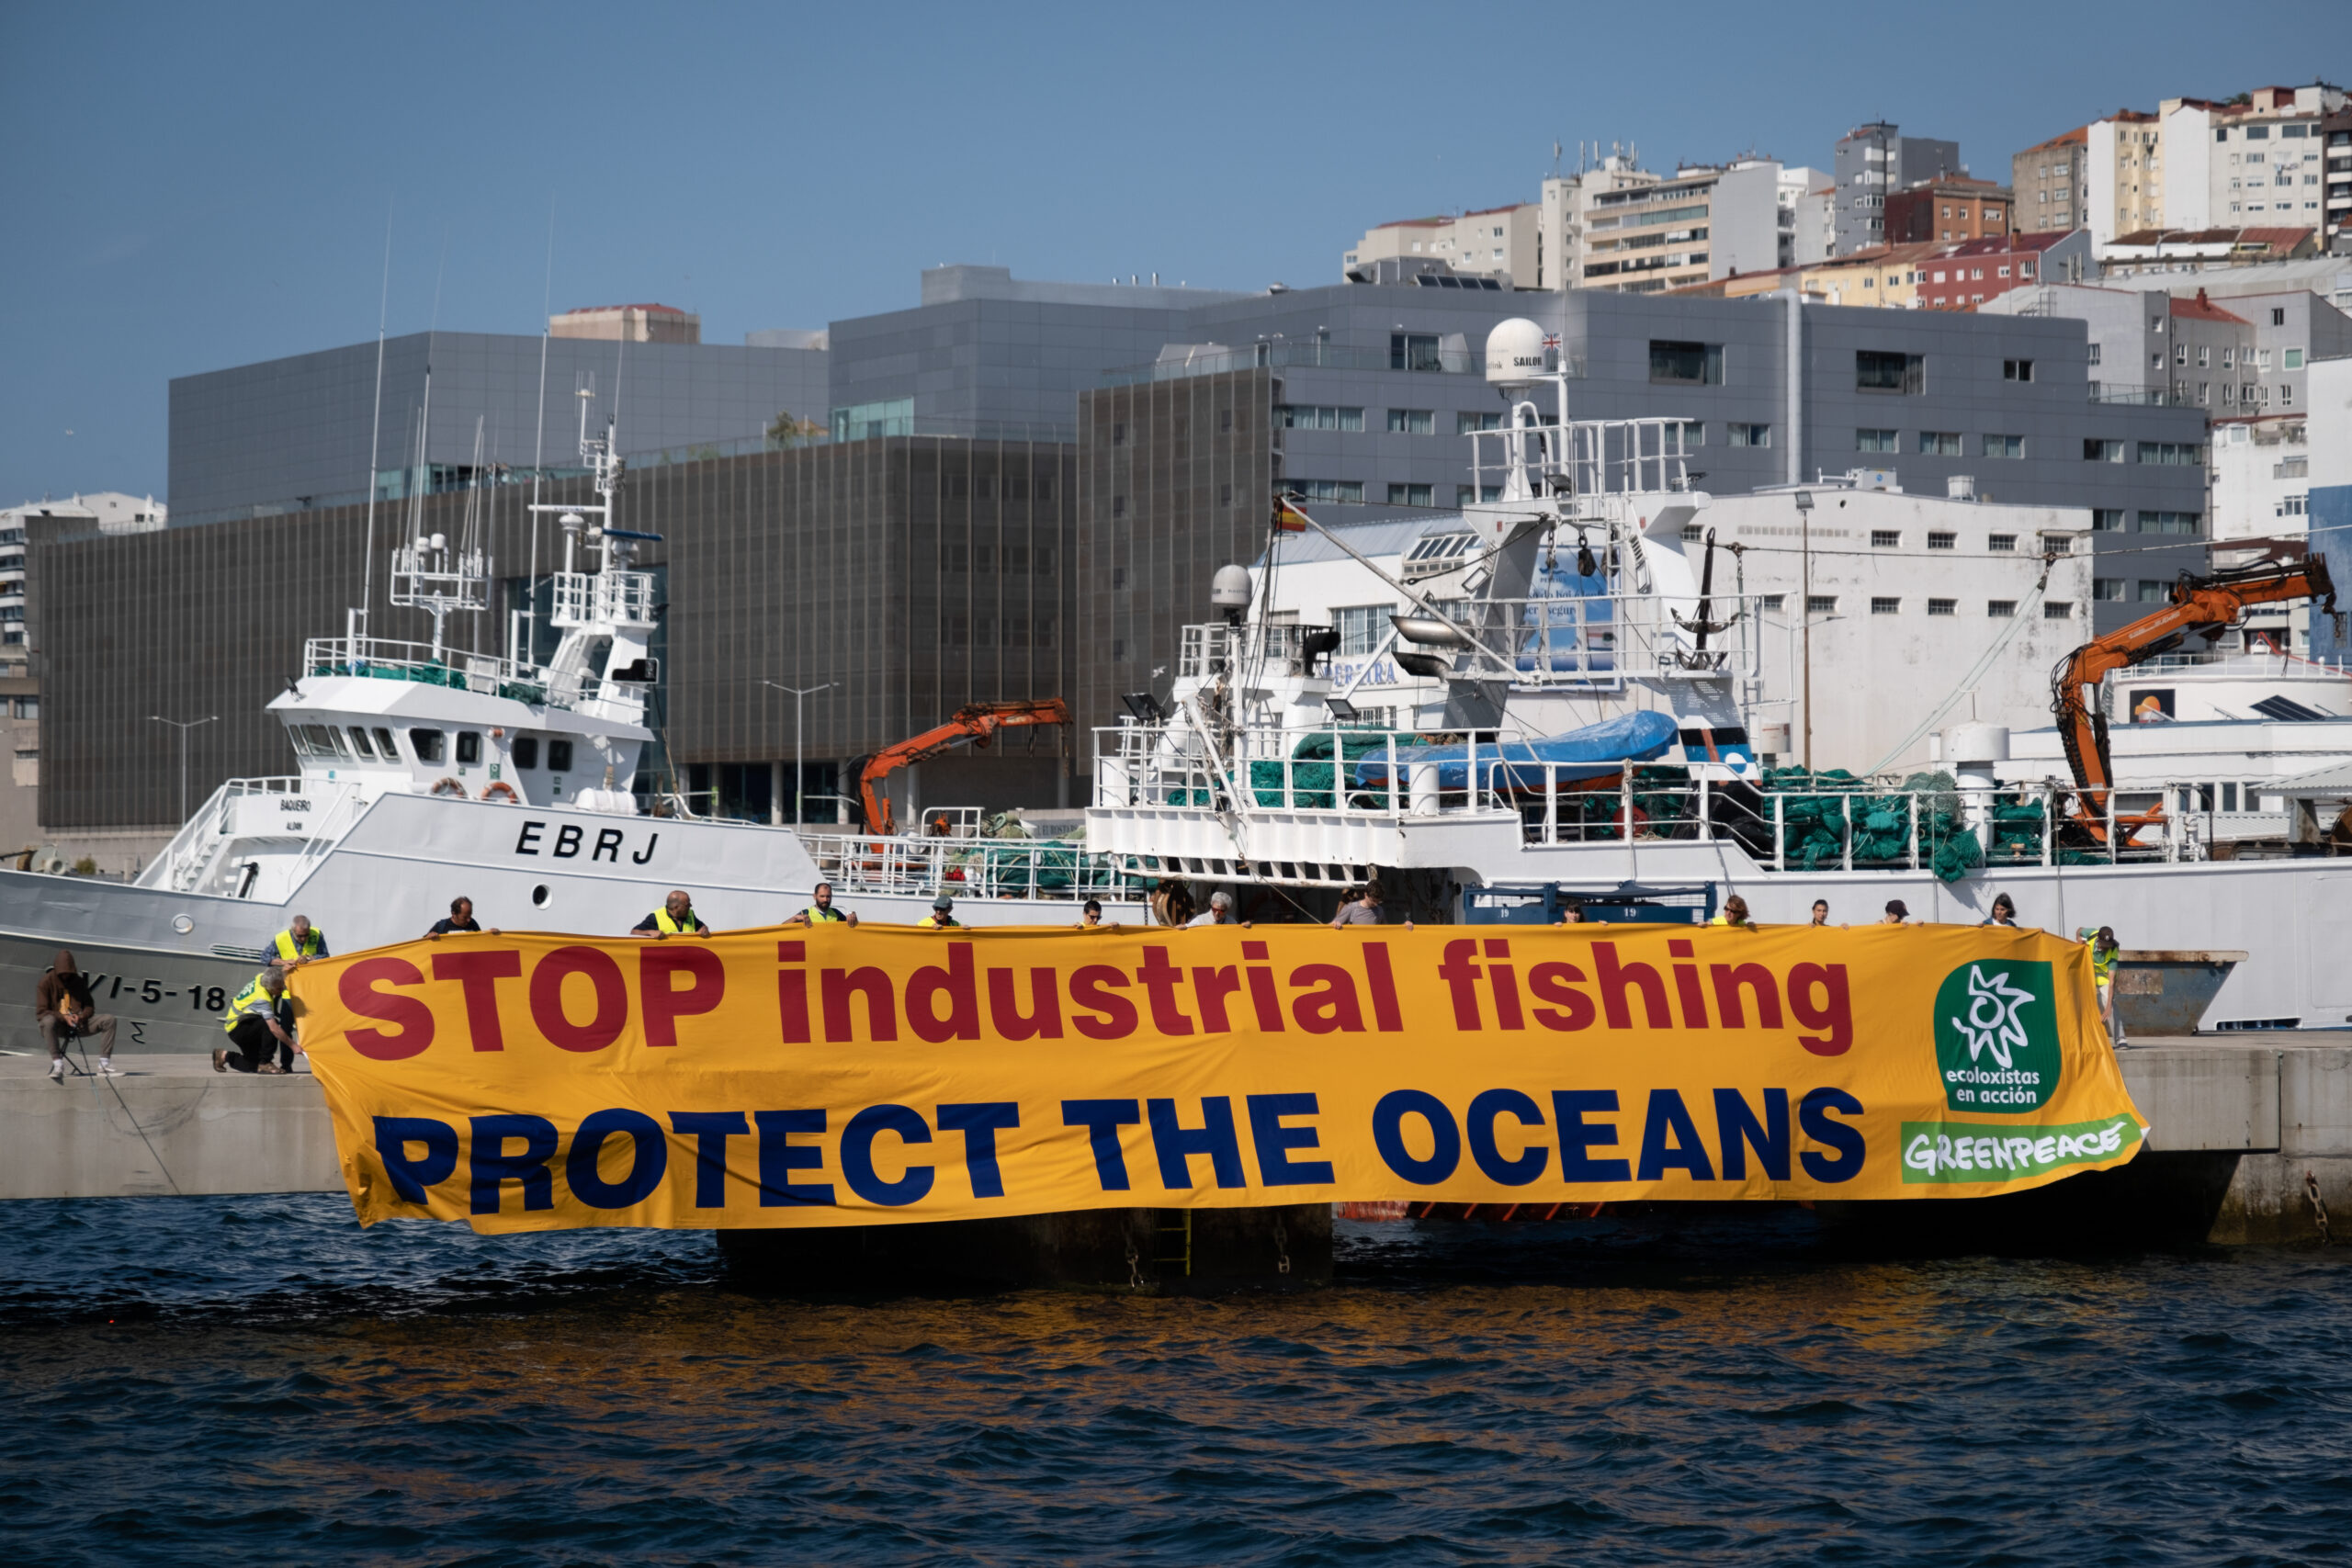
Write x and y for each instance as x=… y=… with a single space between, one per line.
x=1218 y=913
x=942 y=916
x=821 y=912
x=1090 y=918
x=676 y=917
x=1735 y=914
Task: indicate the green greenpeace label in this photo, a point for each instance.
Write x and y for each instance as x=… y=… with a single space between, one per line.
x=1971 y=1153
x=1997 y=1037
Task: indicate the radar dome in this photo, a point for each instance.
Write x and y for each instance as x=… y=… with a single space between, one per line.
x=1514 y=352
x=1229 y=589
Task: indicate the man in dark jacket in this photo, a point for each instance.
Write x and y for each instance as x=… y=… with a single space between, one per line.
x=62 y=1006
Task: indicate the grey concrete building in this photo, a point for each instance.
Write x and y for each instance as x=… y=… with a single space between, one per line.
x=1871 y=163
x=286 y=434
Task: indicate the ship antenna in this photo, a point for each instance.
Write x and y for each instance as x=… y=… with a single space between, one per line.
x=526 y=654
x=376 y=432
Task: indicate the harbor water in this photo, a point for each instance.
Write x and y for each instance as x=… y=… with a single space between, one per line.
x=256 y=1380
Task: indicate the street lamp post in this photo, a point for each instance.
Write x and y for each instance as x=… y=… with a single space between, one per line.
x=798 y=774
x=1805 y=609
x=183 y=726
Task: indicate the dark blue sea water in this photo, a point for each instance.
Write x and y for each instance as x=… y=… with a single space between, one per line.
x=257 y=1381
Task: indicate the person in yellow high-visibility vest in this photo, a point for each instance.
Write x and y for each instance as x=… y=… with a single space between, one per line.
x=676 y=917
x=259 y=1024
x=300 y=940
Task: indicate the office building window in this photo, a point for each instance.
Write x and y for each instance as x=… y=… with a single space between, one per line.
x=1464 y=423
x=1940 y=443
x=1694 y=435
x=2057 y=610
x=1412 y=495
x=1877 y=372
x=1749 y=435
x=2004 y=446
x=1998 y=542
x=1695 y=364
x=1776 y=601
x=1347 y=492
x=1360 y=626
x=2293 y=360
x=2110 y=589
x=2170 y=522
x=1943 y=606
x=1319 y=416
x=1413 y=351
x=1886 y=606
x=1412 y=422
x=2000 y=609
x=2022 y=370
x=1465 y=494
x=1821 y=603
x=1875 y=441
x=1939 y=540
x=2107 y=519
x=1886 y=538
x=2153 y=592
x=2180 y=454
x=2095 y=451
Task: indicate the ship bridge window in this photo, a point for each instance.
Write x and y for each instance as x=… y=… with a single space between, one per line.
x=316 y=740
x=430 y=744
x=359 y=746
x=559 y=756
x=469 y=746
x=526 y=750
x=384 y=747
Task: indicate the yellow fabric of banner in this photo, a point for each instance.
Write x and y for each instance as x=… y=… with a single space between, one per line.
x=832 y=1076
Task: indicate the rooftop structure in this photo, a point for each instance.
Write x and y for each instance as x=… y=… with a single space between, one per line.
x=629 y=323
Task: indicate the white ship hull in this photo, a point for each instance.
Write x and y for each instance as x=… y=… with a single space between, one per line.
x=164 y=955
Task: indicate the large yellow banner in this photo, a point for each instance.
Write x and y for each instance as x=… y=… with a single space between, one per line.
x=840 y=1076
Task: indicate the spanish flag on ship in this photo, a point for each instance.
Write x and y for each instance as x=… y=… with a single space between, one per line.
x=1288 y=518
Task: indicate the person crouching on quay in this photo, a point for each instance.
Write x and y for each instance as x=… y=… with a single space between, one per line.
x=260 y=1024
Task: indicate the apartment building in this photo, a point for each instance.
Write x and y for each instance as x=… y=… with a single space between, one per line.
x=1698 y=224
x=2046 y=184
x=1873 y=162
x=2338 y=137
x=1504 y=242
x=2259 y=159
x=2261 y=476
x=1949 y=208
x=1883 y=275
x=1962 y=276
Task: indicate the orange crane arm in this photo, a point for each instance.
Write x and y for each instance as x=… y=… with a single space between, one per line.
x=2213 y=600
x=974 y=724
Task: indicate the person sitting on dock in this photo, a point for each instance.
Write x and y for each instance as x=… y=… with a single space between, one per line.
x=821 y=912
x=63 y=1010
x=260 y=1024
x=460 y=921
x=942 y=916
x=676 y=917
x=301 y=941
x=1735 y=913
x=2005 y=911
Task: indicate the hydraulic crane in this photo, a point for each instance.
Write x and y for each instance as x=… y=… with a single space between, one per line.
x=2286 y=571
x=974 y=725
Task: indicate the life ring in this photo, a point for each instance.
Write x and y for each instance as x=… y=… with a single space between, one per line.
x=499 y=789
x=447 y=786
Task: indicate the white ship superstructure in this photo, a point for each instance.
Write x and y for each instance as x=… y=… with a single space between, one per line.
x=1580 y=603
x=426 y=773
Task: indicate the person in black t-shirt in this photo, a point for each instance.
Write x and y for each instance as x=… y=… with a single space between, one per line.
x=461 y=921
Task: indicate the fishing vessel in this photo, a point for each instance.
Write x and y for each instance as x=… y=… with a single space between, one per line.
x=425 y=773
x=1585 y=593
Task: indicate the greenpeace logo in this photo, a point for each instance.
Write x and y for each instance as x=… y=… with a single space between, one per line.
x=1997 y=1037
x=1962 y=1152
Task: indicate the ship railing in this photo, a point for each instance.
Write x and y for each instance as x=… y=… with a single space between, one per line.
x=1379 y=773
x=964 y=868
x=182 y=860
x=1600 y=457
x=1211 y=648
x=384 y=659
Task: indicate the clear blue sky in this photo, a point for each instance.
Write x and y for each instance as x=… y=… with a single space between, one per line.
x=193 y=187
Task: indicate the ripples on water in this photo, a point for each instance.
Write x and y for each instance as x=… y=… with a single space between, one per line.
x=256 y=1380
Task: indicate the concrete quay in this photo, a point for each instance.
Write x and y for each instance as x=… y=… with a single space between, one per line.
x=2250 y=1142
